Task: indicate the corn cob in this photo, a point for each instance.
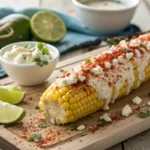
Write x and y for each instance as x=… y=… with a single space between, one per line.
x=98 y=81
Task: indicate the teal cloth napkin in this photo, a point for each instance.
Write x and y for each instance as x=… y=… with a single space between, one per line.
x=78 y=35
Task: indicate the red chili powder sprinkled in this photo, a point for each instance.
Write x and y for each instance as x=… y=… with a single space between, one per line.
x=93 y=128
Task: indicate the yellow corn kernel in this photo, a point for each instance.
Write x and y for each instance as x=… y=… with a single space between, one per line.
x=54 y=98
x=73 y=106
x=58 y=94
x=71 y=119
x=65 y=98
x=68 y=94
x=62 y=91
x=76 y=97
x=68 y=113
x=65 y=105
x=72 y=100
x=40 y=105
x=60 y=101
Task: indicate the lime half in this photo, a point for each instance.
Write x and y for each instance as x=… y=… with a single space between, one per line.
x=11 y=94
x=10 y=113
x=47 y=26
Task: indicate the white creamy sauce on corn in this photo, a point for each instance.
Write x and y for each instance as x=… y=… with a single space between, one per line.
x=109 y=79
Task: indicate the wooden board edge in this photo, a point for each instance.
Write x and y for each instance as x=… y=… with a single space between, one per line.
x=94 y=142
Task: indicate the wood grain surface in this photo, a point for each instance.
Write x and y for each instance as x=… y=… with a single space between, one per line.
x=141 y=18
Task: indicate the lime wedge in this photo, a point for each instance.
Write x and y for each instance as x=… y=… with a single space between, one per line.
x=47 y=26
x=10 y=113
x=11 y=94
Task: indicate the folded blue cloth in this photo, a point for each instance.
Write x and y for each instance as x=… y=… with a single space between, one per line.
x=78 y=35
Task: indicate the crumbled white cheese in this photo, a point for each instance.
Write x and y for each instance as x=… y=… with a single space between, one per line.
x=129 y=55
x=67 y=81
x=139 y=42
x=126 y=111
x=81 y=127
x=137 y=100
x=71 y=80
x=62 y=83
x=120 y=58
x=97 y=70
x=123 y=44
x=148 y=103
x=138 y=54
x=107 y=52
x=81 y=78
x=148 y=46
x=78 y=69
x=99 y=55
x=107 y=65
x=106 y=117
x=112 y=47
x=115 y=61
x=135 y=42
x=52 y=121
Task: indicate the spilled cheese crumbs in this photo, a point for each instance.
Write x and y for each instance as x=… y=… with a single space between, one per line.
x=137 y=100
x=81 y=127
x=106 y=117
x=97 y=70
x=126 y=111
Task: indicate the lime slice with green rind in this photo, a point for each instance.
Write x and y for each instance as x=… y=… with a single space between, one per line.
x=10 y=113
x=11 y=94
x=47 y=26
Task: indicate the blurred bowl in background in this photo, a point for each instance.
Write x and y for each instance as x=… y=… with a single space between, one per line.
x=105 y=21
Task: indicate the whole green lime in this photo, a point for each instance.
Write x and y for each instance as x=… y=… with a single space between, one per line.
x=14 y=28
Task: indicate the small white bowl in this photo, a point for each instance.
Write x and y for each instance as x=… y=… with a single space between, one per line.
x=29 y=74
x=106 y=21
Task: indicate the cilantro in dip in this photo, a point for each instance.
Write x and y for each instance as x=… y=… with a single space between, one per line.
x=28 y=54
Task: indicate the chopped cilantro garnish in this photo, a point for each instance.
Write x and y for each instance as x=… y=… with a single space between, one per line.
x=72 y=127
x=144 y=114
x=34 y=137
x=30 y=138
x=40 y=62
x=43 y=49
x=24 y=56
x=28 y=46
x=37 y=107
x=87 y=60
x=113 y=41
x=43 y=124
x=126 y=49
x=63 y=71
x=102 y=122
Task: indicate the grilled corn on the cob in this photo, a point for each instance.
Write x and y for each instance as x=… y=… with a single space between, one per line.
x=98 y=81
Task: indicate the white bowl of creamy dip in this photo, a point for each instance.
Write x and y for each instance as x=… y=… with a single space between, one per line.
x=29 y=63
x=105 y=16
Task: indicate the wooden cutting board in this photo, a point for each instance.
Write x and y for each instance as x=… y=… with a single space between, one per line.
x=59 y=137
